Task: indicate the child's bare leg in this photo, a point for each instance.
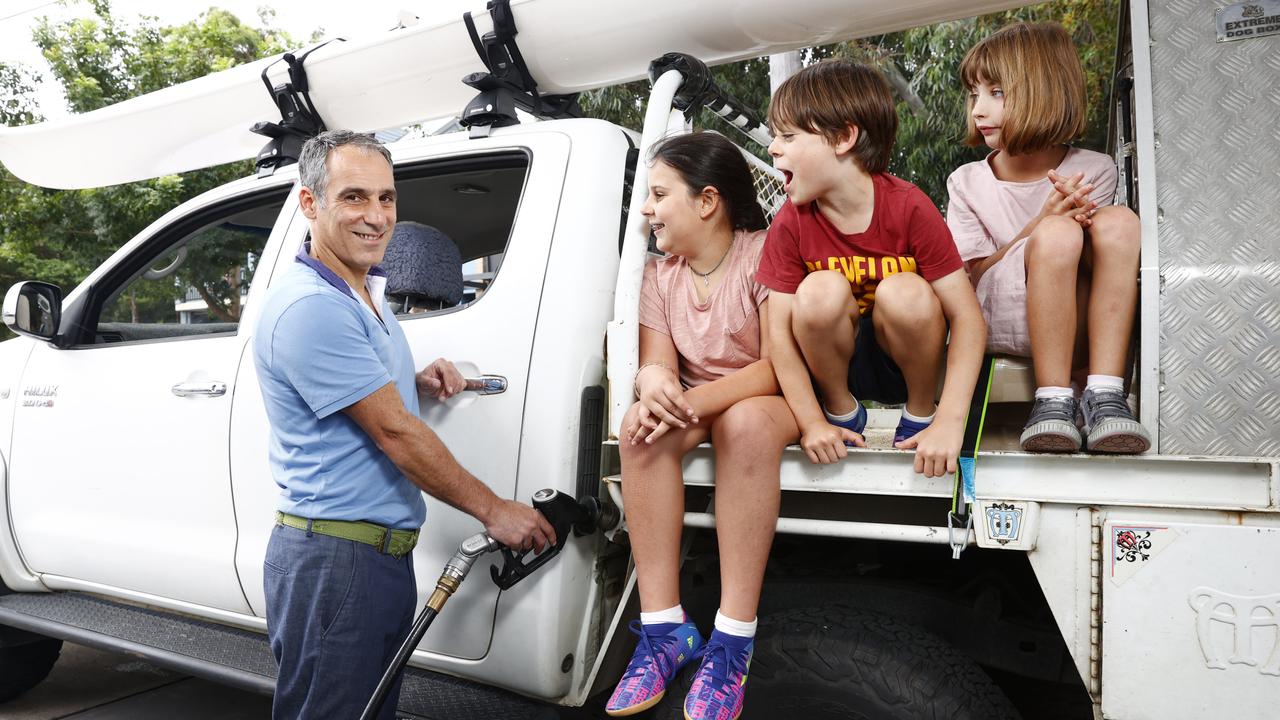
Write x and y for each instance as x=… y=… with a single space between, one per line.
x=824 y=320
x=1115 y=246
x=1080 y=351
x=1052 y=258
x=912 y=329
x=748 y=438
x=653 y=500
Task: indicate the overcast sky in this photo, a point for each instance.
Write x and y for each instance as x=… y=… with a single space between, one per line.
x=297 y=17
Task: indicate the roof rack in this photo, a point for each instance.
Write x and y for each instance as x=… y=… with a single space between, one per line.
x=508 y=85
x=299 y=120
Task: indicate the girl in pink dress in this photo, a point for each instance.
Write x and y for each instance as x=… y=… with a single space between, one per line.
x=1054 y=263
x=704 y=375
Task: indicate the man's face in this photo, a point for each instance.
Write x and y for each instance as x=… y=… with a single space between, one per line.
x=359 y=211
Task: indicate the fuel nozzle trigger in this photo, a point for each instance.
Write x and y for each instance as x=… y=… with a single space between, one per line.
x=566 y=515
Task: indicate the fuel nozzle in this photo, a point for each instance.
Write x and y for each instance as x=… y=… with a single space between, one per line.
x=567 y=516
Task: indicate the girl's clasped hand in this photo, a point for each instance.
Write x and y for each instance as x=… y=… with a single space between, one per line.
x=662 y=405
x=1070 y=198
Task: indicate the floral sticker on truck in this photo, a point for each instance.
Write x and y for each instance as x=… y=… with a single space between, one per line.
x=1132 y=547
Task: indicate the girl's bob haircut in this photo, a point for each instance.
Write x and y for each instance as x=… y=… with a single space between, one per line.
x=1037 y=68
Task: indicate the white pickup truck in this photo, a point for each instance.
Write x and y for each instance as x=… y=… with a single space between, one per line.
x=136 y=497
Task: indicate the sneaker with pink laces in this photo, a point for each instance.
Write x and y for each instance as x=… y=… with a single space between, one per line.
x=662 y=650
x=720 y=685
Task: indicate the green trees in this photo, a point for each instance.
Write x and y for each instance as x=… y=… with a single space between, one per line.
x=922 y=64
x=59 y=236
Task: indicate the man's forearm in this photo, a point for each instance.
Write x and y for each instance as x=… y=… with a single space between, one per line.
x=418 y=452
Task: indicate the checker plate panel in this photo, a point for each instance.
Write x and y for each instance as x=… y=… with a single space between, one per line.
x=1217 y=159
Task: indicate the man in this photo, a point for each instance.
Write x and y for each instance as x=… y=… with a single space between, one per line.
x=348 y=449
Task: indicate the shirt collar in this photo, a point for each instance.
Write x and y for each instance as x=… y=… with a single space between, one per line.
x=304 y=257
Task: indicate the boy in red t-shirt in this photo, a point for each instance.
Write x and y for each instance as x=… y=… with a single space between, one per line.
x=866 y=279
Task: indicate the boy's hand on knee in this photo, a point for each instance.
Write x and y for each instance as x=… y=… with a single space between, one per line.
x=824 y=443
x=937 y=448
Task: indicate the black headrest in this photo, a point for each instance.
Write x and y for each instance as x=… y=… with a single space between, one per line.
x=422 y=262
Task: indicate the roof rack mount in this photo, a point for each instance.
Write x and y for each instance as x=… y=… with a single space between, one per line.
x=508 y=85
x=299 y=120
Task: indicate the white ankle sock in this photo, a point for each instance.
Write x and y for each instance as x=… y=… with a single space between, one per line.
x=918 y=419
x=1051 y=391
x=845 y=417
x=726 y=624
x=1104 y=381
x=670 y=615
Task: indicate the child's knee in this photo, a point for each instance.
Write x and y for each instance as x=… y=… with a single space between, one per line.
x=906 y=298
x=822 y=298
x=749 y=426
x=1056 y=240
x=1117 y=231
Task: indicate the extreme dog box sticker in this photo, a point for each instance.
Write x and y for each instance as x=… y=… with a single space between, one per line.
x=1248 y=20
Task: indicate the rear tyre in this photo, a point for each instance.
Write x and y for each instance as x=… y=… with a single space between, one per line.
x=840 y=663
x=22 y=667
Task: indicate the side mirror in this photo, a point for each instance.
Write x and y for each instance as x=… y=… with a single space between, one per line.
x=33 y=309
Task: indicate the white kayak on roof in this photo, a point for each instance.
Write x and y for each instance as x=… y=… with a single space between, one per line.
x=415 y=73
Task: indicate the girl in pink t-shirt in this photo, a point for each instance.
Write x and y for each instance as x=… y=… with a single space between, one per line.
x=1055 y=265
x=704 y=375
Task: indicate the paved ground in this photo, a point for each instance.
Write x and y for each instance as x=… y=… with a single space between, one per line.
x=88 y=684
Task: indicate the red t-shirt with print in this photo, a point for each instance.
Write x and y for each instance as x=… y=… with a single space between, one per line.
x=906 y=234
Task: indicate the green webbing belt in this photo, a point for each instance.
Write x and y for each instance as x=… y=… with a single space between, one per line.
x=963 y=494
x=396 y=543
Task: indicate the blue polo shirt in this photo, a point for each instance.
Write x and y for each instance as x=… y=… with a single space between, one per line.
x=318 y=350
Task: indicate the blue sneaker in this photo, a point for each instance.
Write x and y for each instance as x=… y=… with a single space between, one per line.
x=857 y=423
x=908 y=429
x=720 y=685
x=662 y=650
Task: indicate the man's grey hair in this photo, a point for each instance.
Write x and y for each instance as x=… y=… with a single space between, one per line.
x=313 y=168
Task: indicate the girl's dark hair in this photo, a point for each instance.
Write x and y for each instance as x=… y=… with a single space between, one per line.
x=708 y=159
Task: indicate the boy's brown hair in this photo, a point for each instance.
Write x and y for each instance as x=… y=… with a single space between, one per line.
x=828 y=97
x=1037 y=67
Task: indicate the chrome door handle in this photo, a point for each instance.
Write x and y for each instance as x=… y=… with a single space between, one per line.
x=210 y=389
x=487 y=384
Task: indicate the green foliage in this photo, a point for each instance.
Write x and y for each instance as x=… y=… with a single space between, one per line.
x=60 y=236
x=923 y=63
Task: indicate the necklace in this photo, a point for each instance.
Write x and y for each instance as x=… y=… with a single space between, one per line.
x=706 y=276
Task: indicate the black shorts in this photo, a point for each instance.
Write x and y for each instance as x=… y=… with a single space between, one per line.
x=873 y=375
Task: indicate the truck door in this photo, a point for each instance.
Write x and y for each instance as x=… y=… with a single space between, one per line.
x=497 y=202
x=119 y=474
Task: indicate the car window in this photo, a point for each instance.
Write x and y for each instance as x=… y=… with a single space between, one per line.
x=455 y=219
x=195 y=284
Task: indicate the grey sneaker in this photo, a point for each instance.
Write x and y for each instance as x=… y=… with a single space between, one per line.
x=1052 y=426
x=1109 y=424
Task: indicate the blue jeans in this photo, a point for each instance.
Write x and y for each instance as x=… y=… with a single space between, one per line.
x=337 y=611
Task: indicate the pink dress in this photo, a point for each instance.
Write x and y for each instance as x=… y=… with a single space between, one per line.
x=985 y=213
x=715 y=337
